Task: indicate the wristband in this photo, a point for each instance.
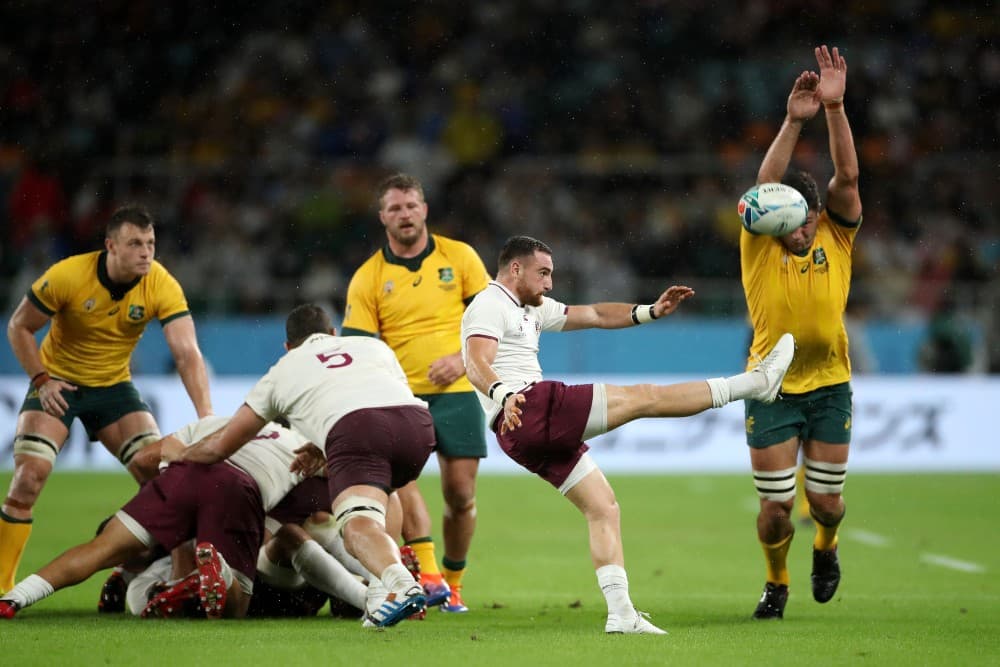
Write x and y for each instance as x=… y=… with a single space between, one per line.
x=498 y=388
x=40 y=378
x=643 y=314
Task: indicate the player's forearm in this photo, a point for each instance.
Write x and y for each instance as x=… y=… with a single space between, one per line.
x=613 y=315
x=842 y=149
x=779 y=154
x=25 y=348
x=194 y=376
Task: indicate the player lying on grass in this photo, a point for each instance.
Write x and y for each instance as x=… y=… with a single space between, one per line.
x=221 y=506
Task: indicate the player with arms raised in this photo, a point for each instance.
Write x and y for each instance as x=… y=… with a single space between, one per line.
x=99 y=303
x=799 y=283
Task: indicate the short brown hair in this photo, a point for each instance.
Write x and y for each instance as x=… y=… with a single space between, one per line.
x=398 y=181
x=520 y=246
x=133 y=214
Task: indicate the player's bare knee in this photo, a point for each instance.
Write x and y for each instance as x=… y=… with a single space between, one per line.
x=30 y=475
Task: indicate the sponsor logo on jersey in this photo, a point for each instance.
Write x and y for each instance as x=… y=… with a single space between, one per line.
x=750 y=424
x=419 y=279
x=114 y=311
x=388 y=287
x=136 y=313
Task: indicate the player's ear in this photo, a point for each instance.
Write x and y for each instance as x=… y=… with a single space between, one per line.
x=285 y=345
x=333 y=331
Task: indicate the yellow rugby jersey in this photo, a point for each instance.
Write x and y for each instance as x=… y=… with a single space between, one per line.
x=91 y=336
x=804 y=296
x=416 y=305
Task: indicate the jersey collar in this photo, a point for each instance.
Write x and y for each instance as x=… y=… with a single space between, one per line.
x=411 y=263
x=117 y=290
x=510 y=295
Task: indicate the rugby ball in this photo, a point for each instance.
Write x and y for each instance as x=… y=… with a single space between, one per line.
x=774 y=209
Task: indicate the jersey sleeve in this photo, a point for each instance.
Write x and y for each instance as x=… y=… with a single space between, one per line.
x=170 y=300
x=552 y=314
x=843 y=230
x=52 y=290
x=481 y=319
x=263 y=399
x=361 y=312
x=195 y=431
x=475 y=277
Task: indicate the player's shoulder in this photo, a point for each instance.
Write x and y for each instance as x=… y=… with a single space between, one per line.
x=453 y=247
x=75 y=265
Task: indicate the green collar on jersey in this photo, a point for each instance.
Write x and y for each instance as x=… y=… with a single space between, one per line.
x=411 y=263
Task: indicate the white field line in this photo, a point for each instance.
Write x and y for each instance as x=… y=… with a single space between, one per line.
x=867 y=537
x=953 y=563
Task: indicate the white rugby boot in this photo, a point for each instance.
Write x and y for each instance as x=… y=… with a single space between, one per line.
x=773 y=367
x=637 y=624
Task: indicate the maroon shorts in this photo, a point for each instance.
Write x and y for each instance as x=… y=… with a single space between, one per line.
x=383 y=447
x=217 y=503
x=553 y=418
x=308 y=496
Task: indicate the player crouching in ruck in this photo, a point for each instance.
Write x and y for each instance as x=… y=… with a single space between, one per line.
x=350 y=394
x=221 y=506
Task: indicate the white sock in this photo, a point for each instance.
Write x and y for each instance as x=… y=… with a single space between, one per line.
x=614 y=584
x=31 y=590
x=325 y=572
x=277 y=575
x=335 y=545
x=397 y=578
x=720 y=391
x=227 y=572
x=745 y=385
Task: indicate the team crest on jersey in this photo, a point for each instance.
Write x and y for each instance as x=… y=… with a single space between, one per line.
x=136 y=313
x=388 y=287
x=819 y=259
x=89 y=304
x=446 y=275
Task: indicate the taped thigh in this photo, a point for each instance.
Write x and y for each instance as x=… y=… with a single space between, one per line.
x=823 y=477
x=775 y=485
x=36 y=444
x=357 y=506
x=134 y=444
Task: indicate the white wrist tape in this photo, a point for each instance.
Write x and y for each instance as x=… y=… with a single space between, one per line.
x=643 y=314
x=500 y=392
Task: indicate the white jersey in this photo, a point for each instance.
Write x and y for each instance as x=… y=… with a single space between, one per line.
x=496 y=313
x=266 y=458
x=327 y=377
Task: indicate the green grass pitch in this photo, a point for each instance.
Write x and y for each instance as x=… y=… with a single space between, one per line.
x=920 y=554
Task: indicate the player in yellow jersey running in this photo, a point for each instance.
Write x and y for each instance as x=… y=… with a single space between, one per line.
x=413 y=293
x=98 y=303
x=799 y=283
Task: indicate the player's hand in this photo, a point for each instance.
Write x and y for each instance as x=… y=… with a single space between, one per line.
x=803 y=102
x=512 y=413
x=669 y=300
x=832 y=74
x=309 y=459
x=446 y=370
x=51 y=398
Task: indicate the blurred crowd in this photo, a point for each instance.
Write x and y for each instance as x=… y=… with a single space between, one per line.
x=620 y=133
